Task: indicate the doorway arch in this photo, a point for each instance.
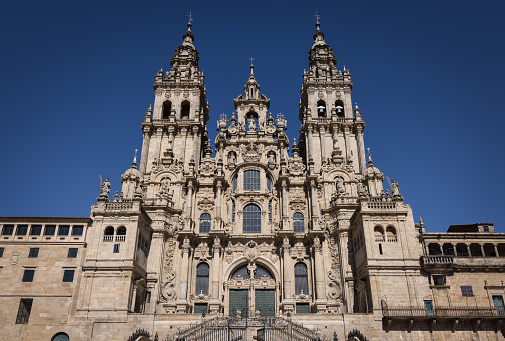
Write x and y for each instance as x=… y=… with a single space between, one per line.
x=252 y=291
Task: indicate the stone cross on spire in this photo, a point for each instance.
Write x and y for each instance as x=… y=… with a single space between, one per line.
x=252 y=66
x=190 y=17
x=317 y=20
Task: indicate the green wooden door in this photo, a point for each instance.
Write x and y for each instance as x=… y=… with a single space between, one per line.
x=239 y=301
x=265 y=302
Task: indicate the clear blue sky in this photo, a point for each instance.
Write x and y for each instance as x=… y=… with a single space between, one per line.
x=76 y=80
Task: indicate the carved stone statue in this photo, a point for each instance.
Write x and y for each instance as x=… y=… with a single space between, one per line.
x=251 y=123
x=271 y=158
x=361 y=190
x=232 y=159
x=105 y=188
x=395 y=188
x=164 y=185
x=340 y=187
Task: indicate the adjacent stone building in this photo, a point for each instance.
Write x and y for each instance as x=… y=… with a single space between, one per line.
x=253 y=239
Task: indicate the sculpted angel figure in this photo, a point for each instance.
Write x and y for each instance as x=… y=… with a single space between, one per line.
x=340 y=186
x=232 y=158
x=395 y=188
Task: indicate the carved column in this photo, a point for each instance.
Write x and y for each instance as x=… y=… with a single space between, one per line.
x=145 y=149
x=343 y=239
x=319 y=265
x=335 y=137
x=310 y=142
x=361 y=149
x=218 y=201
x=482 y=250
x=285 y=198
x=468 y=250
x=347 y=145
x=313 y=194
x=190 y=198
x=157 y=146
x=322 y=135
x=184 y=269
x=496 y=250
x=155 y=268
x=184 y=133
x=216 y=253
x=288 y=274
x=196 y=141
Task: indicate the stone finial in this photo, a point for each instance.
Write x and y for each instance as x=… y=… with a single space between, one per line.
x=134 y=163
x=421 y=223
x=370 y=163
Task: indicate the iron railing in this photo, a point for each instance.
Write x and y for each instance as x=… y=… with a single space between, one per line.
x=233 y=328
x=447 y=312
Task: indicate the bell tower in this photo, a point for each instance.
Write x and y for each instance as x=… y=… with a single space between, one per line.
x=175 y=127
x=329 y=127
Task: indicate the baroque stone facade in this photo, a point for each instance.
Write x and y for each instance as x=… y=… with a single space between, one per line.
x=254 y=231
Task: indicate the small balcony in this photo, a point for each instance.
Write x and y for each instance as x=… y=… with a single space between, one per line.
x=413 y=314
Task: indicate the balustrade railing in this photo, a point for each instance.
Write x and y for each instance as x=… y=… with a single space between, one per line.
x=120 y=238
x=108 y=238
x=442 y=312
x=438 y=259
x=119 y=205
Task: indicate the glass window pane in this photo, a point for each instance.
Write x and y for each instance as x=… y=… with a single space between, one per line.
x=28 y=275
x=36 y=230
x=63 y=230
x=72 y=252
x=202 y=279
x=298 y=224
x=252 y=180
x=77 y=230
x=301 y=279
x=22 y=230
x=8 y=230
x=252 y=219
x=68 y=276
x=205 y=223
x=49 y=231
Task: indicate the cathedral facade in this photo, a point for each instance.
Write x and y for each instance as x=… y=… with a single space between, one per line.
x=297 y=234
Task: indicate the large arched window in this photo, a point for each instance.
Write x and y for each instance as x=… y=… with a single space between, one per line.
x=109 y=231
x=321 y=109
x=301 y=279
x=185 y=110
x=167 y=107
x=60 y=337
x=205 y=223
x=252 y=180
x=298 y=223
x=121 y=231
x=252 y=219
x=202 y=279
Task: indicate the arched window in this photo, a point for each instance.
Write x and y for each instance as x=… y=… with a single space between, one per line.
x=301 y=279
x=391 y=234
x=252 y=180
x=202 y=279
x=60 y=337
x=121 y=231
x=339 y=107
x=379 y=234
x=260 y=271
x=109 y=231
x=321 y=109
x=234 y=184
x=185 y=110
x=298 y=223
x=167 y=108
x=252 y=219
x=205 y=223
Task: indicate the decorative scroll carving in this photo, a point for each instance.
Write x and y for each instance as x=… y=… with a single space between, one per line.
x=205 y=204
x=168 y=292
x=297 y=204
